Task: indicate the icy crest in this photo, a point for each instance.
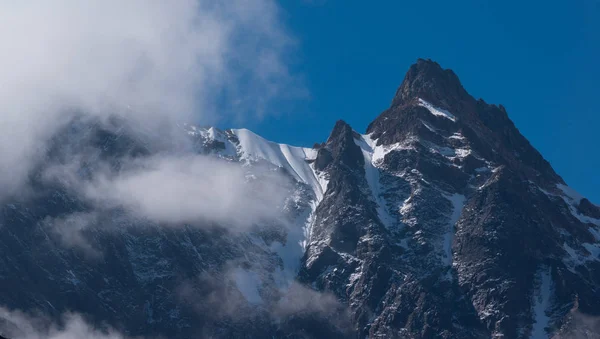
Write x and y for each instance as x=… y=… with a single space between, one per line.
x=436 y=110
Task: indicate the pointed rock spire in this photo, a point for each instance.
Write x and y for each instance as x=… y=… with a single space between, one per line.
x=340 y=146
x=426 y=79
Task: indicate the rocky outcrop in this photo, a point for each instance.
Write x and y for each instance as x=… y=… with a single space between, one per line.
x=473 y=215
x=442 y=221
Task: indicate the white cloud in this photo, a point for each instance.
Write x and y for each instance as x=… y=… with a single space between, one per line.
x=153 y=62
x=255 y=296
x=17 y=325
x=150 y=60
x=188 y=189
x=170 y=190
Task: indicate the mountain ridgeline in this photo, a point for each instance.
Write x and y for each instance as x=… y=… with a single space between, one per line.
x=441 y=221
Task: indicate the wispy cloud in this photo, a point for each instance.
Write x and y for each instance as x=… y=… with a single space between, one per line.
x=153 y=63
x=150 y=61
x=183 y=188
x=17 y=325
x=294 y=309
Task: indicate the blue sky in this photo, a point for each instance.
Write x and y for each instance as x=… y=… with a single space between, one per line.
x=537 y=58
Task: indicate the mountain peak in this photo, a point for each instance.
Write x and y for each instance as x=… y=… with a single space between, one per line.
x=340 y=147
x=340 y=129
x=426 y=79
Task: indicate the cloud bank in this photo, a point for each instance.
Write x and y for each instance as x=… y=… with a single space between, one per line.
x=151 y=61
x=188 y=189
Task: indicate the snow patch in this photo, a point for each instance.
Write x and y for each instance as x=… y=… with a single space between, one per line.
x=372 y=175
x=436 y=110
x=298 y=238
x=458 y=203
x=595 y=233
x=291 y=254
x=214 y=134
x=354 y=277
x=593 y=249
x=541 y=306
x=571 y=193
x=457 y=136
x=429 y=127
x=462 y=152
x=379 y=152
x=576 y=258
x=408 y=206
x=572 y=198
x=447 y=152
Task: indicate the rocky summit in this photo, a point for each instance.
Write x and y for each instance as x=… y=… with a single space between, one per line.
x=439 y=221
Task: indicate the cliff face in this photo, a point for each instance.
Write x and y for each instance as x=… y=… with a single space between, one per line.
x=442 y=221
x=460 y=227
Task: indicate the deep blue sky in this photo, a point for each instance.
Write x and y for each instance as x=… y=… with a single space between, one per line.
x=540 y=59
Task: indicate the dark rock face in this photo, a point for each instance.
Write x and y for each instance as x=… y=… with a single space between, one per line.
x=473 y=219
x=441 y=222
x=340 y=147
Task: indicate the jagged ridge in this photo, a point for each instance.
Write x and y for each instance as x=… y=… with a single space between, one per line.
x=441 y=221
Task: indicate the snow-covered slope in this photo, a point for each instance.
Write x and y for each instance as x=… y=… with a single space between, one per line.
x=248 y=147
x=251 y=150
x=295 y=160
